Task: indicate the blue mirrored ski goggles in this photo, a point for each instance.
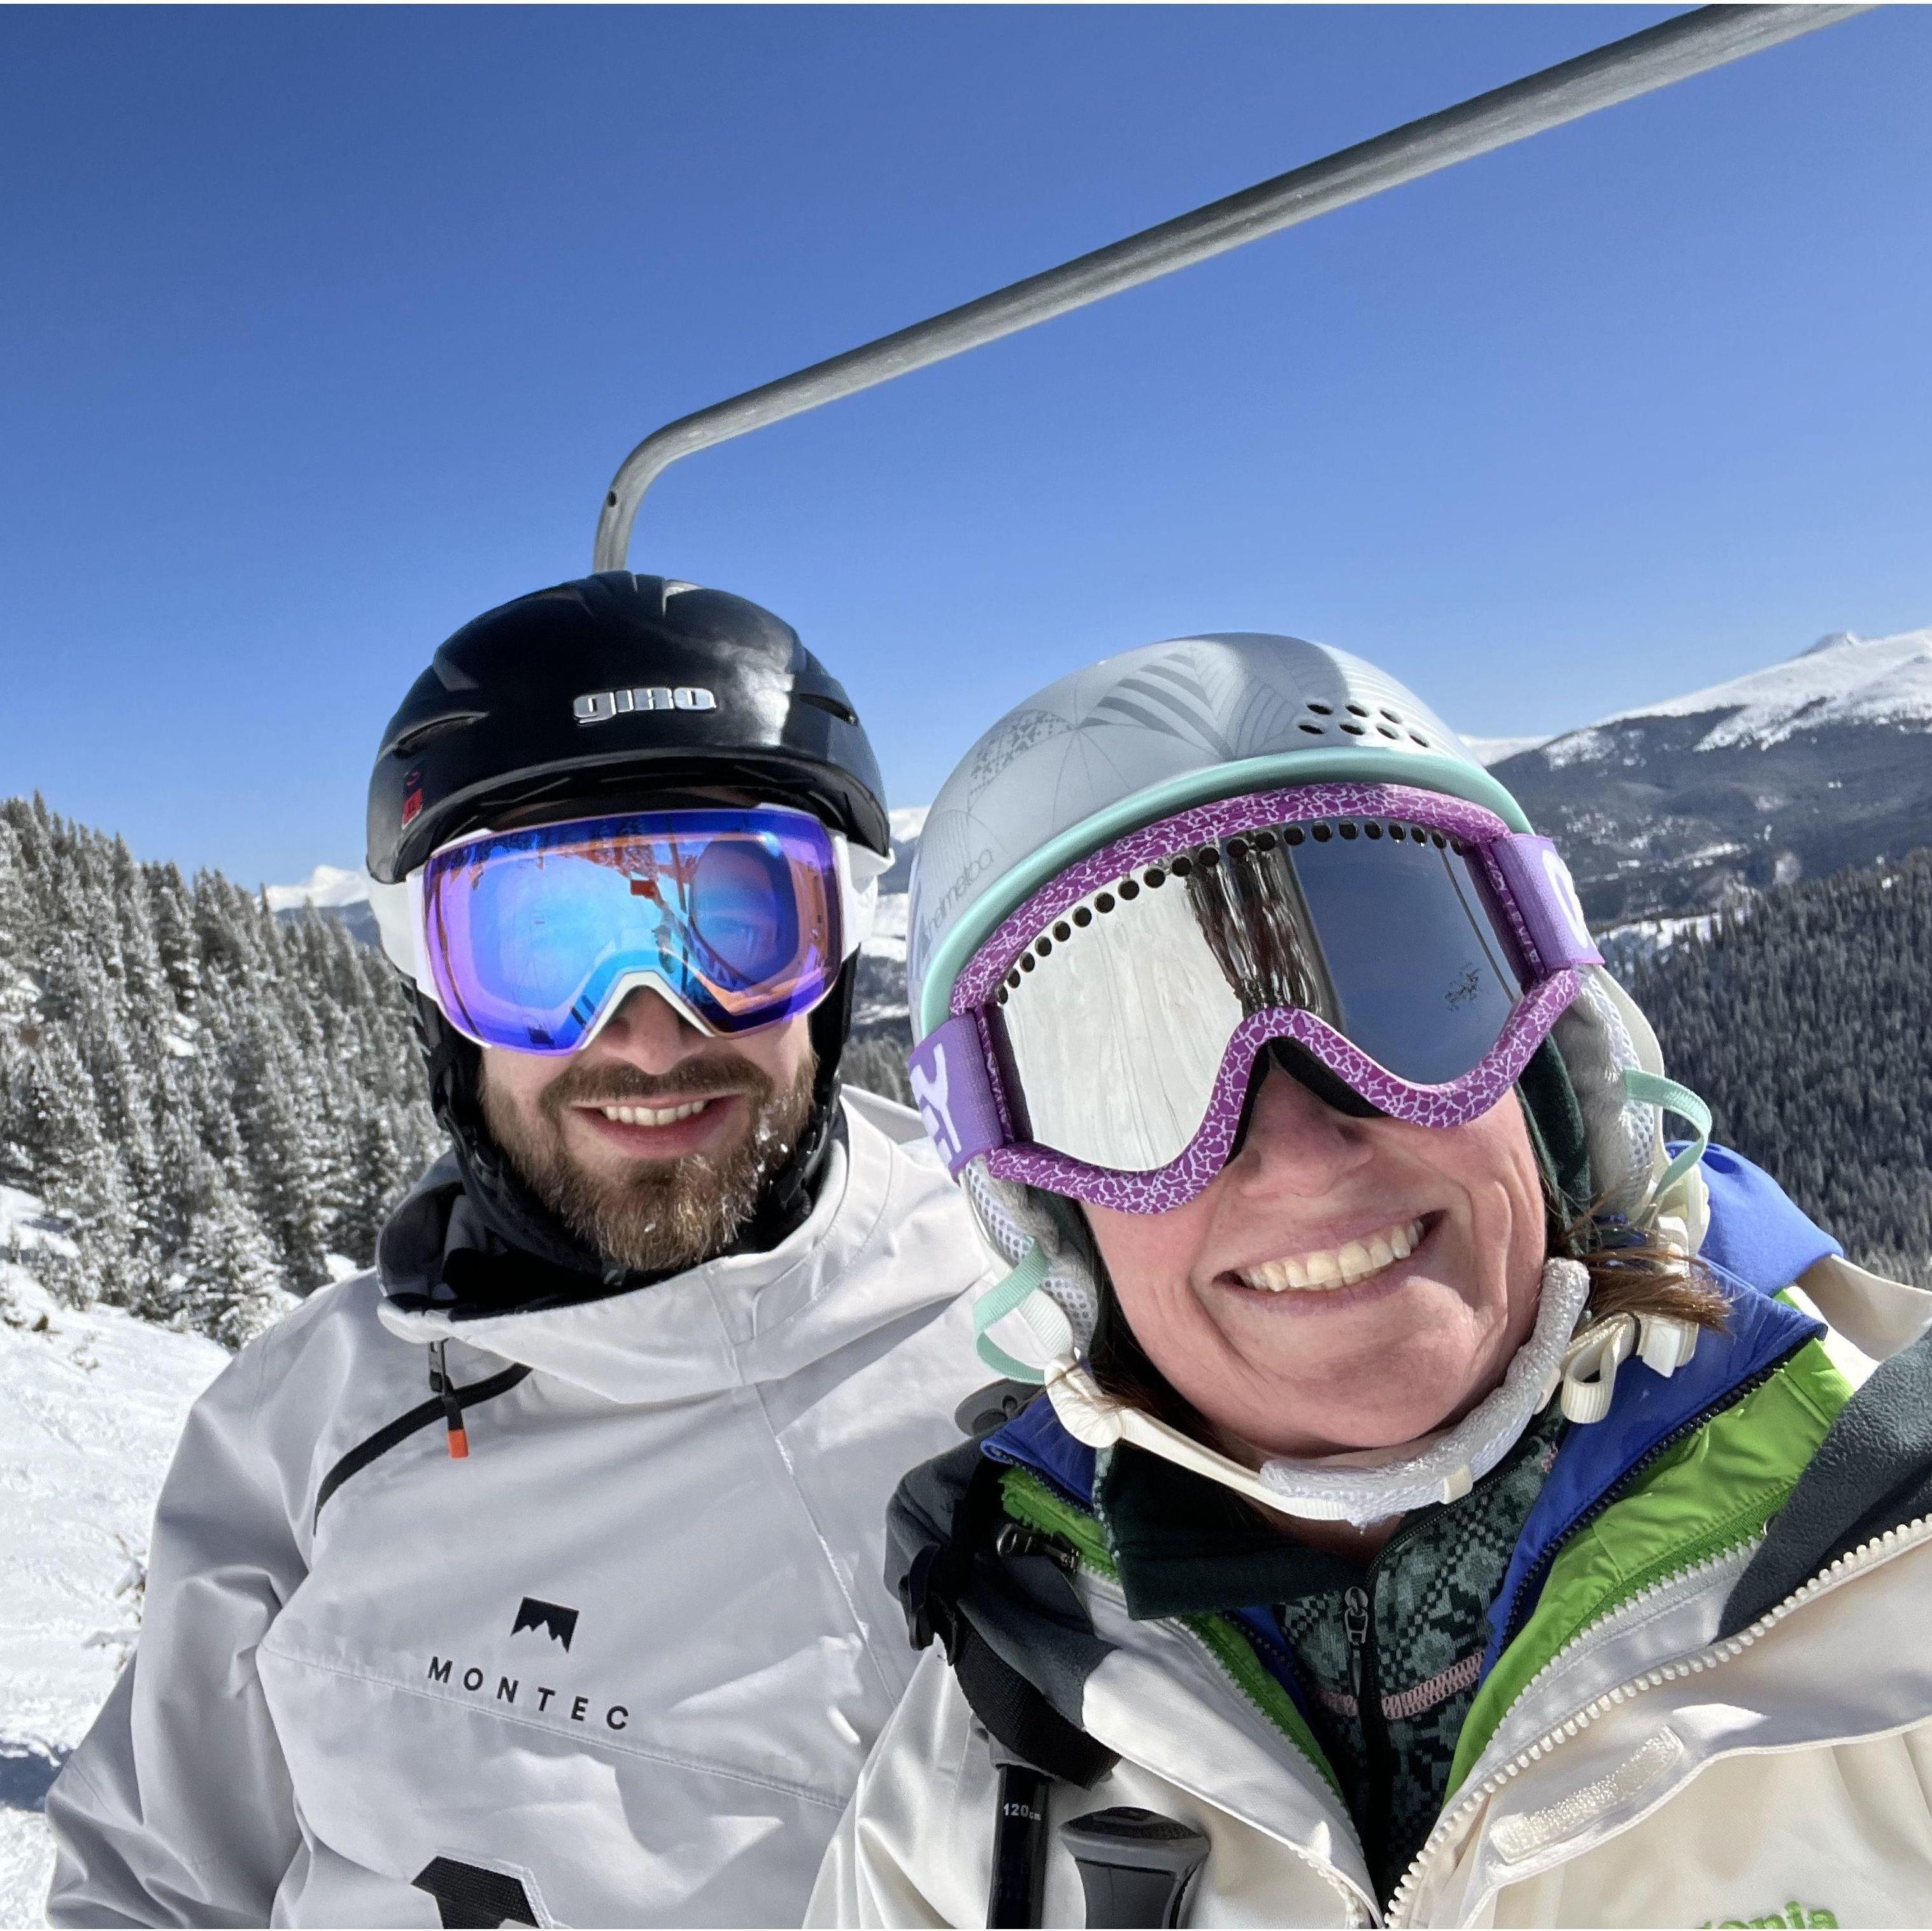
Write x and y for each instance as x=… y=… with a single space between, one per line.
x=530 y=940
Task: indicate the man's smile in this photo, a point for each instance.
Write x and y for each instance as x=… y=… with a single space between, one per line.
x=681 y=1124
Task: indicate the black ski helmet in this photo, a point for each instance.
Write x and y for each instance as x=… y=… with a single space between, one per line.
x=616 y=683
x=610 y=692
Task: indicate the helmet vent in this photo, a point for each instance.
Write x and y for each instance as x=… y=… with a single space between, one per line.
x=1320 y=710
x=819 y=700
x=412 y=741
x=1314 y=730
x=1353 y=730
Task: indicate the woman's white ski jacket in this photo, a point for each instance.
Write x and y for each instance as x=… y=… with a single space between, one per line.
x=1714 y=1708
x=621 y=1665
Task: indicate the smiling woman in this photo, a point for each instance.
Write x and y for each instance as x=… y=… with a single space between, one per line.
x=1411 y=1407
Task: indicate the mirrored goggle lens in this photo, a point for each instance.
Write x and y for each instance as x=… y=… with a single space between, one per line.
x=1115 y=1020
x=532 y=934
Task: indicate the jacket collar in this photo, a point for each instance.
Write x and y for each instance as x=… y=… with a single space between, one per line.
x=734 y=1322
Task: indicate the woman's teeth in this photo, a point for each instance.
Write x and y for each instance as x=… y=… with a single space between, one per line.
x=1337 y=1267
x=654 y=1116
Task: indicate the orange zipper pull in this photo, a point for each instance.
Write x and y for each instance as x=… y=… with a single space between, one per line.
x=452 y=1409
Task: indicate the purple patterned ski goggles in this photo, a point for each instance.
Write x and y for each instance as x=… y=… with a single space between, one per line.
x=1102 y=1039
x=740 y=918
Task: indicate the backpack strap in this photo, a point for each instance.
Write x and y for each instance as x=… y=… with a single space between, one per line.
x=1014 y=1711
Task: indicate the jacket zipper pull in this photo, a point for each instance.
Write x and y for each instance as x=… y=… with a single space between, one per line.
x=1355 y=1627
x=452 y=1409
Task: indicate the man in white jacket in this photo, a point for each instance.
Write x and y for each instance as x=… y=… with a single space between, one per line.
x=533 y=1577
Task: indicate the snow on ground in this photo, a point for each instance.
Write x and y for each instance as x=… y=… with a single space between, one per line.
x=1842 y=679
x=1624 y=947
x=94 y=1403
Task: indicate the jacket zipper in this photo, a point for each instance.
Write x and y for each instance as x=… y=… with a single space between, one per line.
x=1531 y=1588
x=1358 y=1627
x=444 y=1389
x=1351 y=1898
x=1723 y=1651
x=1365 y=1679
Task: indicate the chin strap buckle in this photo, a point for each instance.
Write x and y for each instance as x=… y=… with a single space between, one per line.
x=1587 y=1379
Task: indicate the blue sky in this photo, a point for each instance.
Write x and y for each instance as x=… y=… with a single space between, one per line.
x=324 y=329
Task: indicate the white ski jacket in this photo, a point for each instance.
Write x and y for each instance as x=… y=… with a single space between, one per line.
x=621 y=1665
x=1719 y=1712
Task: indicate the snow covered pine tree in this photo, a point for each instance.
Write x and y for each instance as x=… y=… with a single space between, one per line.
x=212 y=1101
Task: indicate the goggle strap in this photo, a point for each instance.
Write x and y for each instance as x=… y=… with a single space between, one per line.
x=858 y=894
x=1545 y=896
x=397 y=911
x=953 y=1092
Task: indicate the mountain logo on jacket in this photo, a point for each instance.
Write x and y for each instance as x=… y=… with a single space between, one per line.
x=559 y=1622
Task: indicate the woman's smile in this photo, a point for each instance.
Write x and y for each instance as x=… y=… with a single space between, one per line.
x=1331 y=1281
x=1344 y=1283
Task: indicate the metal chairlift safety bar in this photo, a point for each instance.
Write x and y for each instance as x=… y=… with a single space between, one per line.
x=1707 y=37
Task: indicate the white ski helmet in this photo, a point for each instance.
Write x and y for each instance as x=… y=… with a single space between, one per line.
x=1138 y=737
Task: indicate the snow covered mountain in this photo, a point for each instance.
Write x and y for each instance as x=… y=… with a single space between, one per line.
x=1667 y=812
x=335 y=892
x=1843 y=679
x=1677 y=808
x=328 y=885
x=1493 y=751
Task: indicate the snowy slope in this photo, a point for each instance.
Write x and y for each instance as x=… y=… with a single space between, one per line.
x=1493 y=751
x=1677 y=809
x=1843 y=679
x=95 y=1402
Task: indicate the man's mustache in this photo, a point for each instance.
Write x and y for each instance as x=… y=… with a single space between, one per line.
x=616 y=1083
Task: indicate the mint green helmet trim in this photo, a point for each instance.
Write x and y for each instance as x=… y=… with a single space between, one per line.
x=1427 y=771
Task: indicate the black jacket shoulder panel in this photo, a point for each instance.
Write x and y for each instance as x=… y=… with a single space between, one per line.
x=1872 y=1472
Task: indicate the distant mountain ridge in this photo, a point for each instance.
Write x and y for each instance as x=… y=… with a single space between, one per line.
x=1796 y=770
x=335 y=892
x=1667 y=812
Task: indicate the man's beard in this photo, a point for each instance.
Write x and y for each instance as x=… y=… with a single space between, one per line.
x=660 y=1216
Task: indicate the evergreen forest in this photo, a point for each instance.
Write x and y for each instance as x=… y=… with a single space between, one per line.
x=217 y=1108
x=210 y=1102
x=1805 y=1019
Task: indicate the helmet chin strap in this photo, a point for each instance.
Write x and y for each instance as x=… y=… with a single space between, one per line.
x=1443 y=1466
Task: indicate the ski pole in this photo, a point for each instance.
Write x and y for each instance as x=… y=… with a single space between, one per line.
x=1136 y=1867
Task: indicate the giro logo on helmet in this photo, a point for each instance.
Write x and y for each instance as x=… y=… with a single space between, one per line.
x=597 y=707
